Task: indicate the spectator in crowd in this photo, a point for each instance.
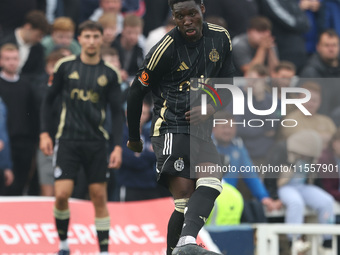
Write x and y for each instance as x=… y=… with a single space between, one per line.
x=325 y=62
x=111 y=56
x=87 y=8
x=331 y=158
x=27 y=38
x=234 y=153
x=295 y=188
x=70 y=9
x=13 y=13
x=109 y=24
x=257 y=46
x=257 y=140
x=45 y=163
x=318 y=122
x=155 y=35
x=217 y=21
x=315 y=13
x=290 y=23
x=131 y=54
x=236 y=13
x=284 y=70
x=6 y=173
x=156 y=14
x=282 y=77
x=62 y=36
x=131 y=6
x=22 y=125
x=112 y=7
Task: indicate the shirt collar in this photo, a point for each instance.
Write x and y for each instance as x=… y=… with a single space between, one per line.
x=6 y=78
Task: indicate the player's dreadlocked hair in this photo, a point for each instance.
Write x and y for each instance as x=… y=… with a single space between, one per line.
x=172 y=2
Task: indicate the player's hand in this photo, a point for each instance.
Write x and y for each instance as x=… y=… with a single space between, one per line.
x=9 y=177
x=136 y=146
x=116 y=158
x=46 y=144
x=194 y=116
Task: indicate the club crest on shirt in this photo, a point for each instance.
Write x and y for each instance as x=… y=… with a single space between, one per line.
x=179 y=165
x=102 y=80
x=214 y=56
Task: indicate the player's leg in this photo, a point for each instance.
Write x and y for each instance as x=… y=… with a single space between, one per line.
x=198 y=208
x=203 y=155
x=66 y=164
x=172 y=153
x=181 y=190
x=63 y=190
x=97 y=173
x=98 y=197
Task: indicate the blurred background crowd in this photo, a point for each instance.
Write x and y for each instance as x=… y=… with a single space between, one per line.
x=276 y=44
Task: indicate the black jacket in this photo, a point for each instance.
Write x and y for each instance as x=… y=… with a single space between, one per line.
x=290 y=23
x=35 y=62
x=136 y=58
x=316 y=68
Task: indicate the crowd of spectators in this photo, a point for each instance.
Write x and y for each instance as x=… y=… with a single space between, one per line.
x=276 y=44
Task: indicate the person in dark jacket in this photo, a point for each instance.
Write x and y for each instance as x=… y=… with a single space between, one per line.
x=290 y=23
x=27 y=38
x=22 y=123
x=130 y=52
x=325 y=63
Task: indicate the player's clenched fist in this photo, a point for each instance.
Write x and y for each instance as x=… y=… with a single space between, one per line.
x=136 y=146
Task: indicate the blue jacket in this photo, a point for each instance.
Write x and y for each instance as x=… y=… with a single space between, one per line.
x=332 y=17
x=138 y=170
x=317 y=23
x=5 y=154
x=238 y=156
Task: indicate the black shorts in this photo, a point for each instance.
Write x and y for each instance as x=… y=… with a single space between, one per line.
x=91 y=155
x=179 y=154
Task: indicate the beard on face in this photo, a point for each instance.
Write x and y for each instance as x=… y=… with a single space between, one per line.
x=91 y=54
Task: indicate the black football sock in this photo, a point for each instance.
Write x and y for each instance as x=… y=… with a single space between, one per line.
x=103 y=228
x=198 y=210
x=175 y=226
x=62 y=218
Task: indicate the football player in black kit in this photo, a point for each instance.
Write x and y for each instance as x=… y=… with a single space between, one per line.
x=193 y=49
x=86 y=84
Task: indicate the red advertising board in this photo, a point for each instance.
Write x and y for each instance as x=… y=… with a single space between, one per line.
x=137 y=228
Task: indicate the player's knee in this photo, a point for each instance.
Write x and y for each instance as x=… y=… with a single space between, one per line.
x=98 y=197
x=180 y=204
x=211 y=182
x=62 y=196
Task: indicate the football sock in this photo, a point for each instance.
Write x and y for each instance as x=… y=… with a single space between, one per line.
x=62 y=218
x=174 y=230
x=103 y=228
x=198 y=210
